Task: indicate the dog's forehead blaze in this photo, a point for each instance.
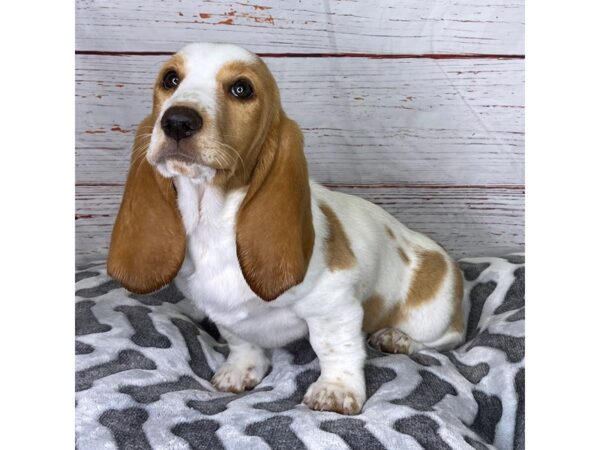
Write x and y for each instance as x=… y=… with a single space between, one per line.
x=203 y=62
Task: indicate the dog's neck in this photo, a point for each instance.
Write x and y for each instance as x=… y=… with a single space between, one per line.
x=205 y=203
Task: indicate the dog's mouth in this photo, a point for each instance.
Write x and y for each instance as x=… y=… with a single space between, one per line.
x=186 y=167
x=181 y=159
x=189 y=159
x=181 y=164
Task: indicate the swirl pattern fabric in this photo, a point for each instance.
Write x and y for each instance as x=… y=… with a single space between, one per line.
x=144 y=363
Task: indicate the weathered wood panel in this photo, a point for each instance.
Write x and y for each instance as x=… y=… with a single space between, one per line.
x=466 y=220
x=452 y=126
x=365 y=120
x=311 y=26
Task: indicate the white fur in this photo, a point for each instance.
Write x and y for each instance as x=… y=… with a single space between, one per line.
x=327 y=304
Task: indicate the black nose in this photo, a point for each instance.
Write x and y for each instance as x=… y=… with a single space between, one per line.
x=179 y=122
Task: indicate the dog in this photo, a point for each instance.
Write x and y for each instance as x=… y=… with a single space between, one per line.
x=218 y=198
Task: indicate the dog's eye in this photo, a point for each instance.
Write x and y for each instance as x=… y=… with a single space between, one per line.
x=241 y=89
x=170 y=80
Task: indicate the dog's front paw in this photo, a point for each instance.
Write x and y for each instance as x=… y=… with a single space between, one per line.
x=237 y=378
x=324 y=395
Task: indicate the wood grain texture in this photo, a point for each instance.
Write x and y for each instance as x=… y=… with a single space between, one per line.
x=466 y=220
x=417 y=121
x=309 y=26
x=415 y=105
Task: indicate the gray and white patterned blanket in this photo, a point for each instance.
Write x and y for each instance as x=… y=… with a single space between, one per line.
x=144 y=363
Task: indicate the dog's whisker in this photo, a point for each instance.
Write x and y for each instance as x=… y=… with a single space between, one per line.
x=222 y=145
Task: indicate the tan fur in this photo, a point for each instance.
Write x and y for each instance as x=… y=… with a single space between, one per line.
x=427 y=279
x=339 y=254
x=243 y=126
x=373 y=310
x=275 y=234
x=376 y=317
x=396 y=316
x=176 y=63
x=148 y=239
x=457 y=321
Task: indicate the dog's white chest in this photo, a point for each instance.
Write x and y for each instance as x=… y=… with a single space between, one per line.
x=212 y=276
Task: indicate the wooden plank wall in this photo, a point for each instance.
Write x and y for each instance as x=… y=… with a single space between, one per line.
x=415 y=105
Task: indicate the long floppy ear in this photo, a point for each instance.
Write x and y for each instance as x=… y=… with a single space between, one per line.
x=148 y=239
x=275 y=234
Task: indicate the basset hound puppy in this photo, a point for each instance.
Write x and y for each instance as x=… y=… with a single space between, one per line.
x=218 y=198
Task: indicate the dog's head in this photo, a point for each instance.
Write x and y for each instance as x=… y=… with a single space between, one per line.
x=213 y=107
x=216 y=119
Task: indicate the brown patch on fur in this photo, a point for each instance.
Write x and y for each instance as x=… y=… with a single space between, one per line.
x=396 y=316
x=339 y=253
x=426 y=282
x=372 y=313
x=275 y=234
x=403 y=256
x=176 y=63
x=427 y=279
x=246 y=126
x=375 y=317
x=148 y=239
x=389 y=232
x=457 y=322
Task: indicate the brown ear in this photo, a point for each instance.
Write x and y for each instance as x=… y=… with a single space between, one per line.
x=275 y=233
x=148 y=239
